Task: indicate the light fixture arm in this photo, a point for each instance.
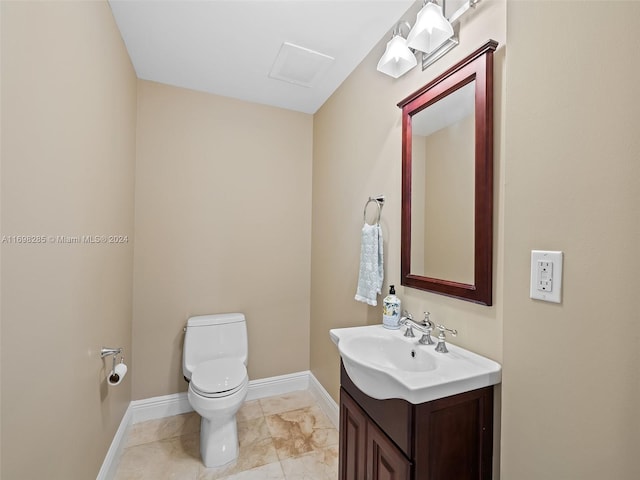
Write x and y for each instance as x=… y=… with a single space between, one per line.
x=455 y=16
x=461 y=11
x=397 y=30
x=436 y=2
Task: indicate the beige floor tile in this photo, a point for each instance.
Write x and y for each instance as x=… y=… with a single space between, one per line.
x=252 y=431
x=317 y=465
x=271 y=471
x=252 y=455
x=301 y=431
x=287 y=402
x=176 y=459
x=249 y=410
x=163 y=428
x=280 y=437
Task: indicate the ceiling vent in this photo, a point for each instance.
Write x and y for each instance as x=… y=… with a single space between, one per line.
x=299 y=65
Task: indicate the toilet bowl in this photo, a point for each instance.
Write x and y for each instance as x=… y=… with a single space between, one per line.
x=214 y=362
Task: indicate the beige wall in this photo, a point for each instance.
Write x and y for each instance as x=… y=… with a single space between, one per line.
x=68 y=154
x=571 y=371
x=357 y=153
x=223 y=224
x=448 y=212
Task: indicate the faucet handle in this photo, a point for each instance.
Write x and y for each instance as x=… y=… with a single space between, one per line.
x=407 y=316
x=443 y=329
x=441 y=347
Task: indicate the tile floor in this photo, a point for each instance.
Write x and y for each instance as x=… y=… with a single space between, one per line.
x=287 y=437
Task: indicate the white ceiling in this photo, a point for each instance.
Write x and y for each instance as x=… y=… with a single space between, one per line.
x=228 y=47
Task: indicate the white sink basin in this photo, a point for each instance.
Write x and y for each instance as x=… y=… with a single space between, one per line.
x=385 y=364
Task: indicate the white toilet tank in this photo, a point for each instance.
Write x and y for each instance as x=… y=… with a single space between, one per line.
x=208 y=337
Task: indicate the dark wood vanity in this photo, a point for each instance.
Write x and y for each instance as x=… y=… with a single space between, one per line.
x=446 y=439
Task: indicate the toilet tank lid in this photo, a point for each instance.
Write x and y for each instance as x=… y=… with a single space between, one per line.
x=217 y=319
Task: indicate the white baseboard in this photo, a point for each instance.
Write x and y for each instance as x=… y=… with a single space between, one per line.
x=325 y=401
x=268 y=387
x=112 y=459
x=177 y=403
x=159 y=407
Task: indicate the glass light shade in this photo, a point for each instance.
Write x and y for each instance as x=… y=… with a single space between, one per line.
x=431 y=30
x=397 y=58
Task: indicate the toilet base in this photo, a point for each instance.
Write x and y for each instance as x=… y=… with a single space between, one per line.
x=218 y=442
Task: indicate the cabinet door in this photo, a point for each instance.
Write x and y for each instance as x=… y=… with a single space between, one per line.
x=353 y=431
x=454 y=437
x=384 y=460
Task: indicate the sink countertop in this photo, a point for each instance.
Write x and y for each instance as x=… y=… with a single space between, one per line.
x=385 y=364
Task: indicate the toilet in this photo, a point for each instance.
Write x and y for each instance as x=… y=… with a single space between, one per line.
x=214 y=363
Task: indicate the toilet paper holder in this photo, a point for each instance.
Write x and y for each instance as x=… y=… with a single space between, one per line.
x=105 y=352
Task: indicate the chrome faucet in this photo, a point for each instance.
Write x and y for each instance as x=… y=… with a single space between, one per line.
x=441 y=346
x=425 y=328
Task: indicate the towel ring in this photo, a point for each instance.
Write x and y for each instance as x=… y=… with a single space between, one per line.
x=379 y=201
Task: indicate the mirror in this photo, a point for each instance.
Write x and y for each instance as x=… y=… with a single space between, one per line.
x=447 y=182
x=442 y=188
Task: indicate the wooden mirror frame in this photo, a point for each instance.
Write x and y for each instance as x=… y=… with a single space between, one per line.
x=479 y=67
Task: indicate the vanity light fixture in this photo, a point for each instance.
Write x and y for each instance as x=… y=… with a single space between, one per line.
x=398 y=58
x=431 y=30
x=432 y=36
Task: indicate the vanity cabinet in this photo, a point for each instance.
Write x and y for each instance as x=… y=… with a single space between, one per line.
x=365 y=451
x=446 y=439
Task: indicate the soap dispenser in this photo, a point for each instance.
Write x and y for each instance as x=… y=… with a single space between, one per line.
x=391 y=310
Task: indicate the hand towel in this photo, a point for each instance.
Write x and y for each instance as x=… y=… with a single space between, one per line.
x=371 y=270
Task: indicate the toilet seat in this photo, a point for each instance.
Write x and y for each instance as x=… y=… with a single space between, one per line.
x=219 y=378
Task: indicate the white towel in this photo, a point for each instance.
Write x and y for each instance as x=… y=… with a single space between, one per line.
x=371 y=270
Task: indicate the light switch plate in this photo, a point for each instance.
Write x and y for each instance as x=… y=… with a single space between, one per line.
x=546 y=276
